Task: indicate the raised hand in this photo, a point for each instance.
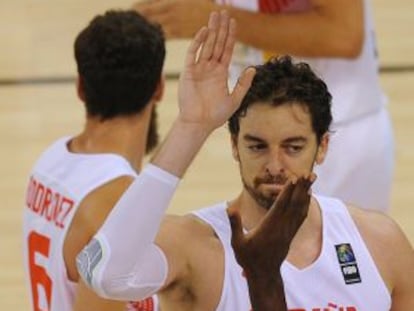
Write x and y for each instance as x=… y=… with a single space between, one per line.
x=205 y=102
x=262 y=251
x=204 y=97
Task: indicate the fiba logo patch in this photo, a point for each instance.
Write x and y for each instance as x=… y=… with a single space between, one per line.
x=347 y=263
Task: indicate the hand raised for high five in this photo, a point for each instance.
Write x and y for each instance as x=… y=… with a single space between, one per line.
x=205 y=102
x=204 y=97
x=262 y=251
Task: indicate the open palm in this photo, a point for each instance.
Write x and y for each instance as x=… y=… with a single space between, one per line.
x=206 y=73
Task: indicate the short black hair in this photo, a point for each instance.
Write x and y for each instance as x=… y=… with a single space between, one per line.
x=120 y=57
x=280 y=81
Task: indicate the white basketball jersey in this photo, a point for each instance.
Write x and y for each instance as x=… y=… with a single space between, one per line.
x=59 y=181
x=353 y=83
x=343 y=277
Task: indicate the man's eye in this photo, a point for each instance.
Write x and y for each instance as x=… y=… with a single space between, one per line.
x=293 y=149
x=258 y=147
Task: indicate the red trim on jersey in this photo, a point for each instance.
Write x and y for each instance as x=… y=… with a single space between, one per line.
x=272 y=6
x=142 y=305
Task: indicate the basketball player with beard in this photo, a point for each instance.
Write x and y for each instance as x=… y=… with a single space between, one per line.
x=78 y=179
x=337 y=39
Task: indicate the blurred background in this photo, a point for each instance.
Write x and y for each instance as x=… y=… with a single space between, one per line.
x=38 y=104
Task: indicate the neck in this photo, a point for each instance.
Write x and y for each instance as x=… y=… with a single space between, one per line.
x=252 y=213
x=125 y=136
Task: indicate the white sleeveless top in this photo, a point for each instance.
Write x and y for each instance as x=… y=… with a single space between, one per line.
x=343 y=277
x=59 y=181
x=353 y=83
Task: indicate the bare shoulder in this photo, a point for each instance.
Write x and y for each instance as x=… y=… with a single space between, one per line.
x=183 y=238
x=183 y=229
x=378 y=226
x=374 y=223
x=387 y=243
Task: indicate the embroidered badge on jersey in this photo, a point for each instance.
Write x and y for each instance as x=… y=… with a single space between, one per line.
x=347 y=263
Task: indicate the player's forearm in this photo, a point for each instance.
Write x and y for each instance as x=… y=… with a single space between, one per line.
x=318 y=32
x=267 y=294
x=182 y=144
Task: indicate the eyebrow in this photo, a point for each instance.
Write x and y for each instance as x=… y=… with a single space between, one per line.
x=294 y=139
x=249 y=137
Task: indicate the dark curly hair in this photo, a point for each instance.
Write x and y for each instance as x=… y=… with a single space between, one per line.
x=120 y=56
x=279 y=81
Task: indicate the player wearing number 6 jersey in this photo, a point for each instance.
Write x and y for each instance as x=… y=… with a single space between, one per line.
x=59 y=182
x=77 y=180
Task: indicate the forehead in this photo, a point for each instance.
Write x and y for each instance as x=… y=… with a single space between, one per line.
x=264 y=120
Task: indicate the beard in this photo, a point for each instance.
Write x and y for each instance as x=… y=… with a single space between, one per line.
x=152 y=136
x=264 y=200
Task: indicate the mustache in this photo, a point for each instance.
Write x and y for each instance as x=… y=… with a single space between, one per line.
x=270 y=179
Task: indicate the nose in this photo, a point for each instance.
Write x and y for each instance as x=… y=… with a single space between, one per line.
x=274 y=165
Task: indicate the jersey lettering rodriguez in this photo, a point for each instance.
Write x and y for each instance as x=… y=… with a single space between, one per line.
x=48 y=203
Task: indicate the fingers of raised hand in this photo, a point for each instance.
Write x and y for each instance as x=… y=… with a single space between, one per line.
x=195 y=44
x=223 y=33
x=277 y=210
x=243 y=85
x=229 y=43
x=289 y=209
x=237 y=235
x=207 y=48
x=282 y=201
x=299 y=203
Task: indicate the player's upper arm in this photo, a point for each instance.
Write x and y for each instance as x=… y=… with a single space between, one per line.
x=175 y=238
x=89 y=217
x=392 y=253
x=86 y=300
x=403 y=261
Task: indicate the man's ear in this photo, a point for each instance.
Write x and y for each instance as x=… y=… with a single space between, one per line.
x=234 y=147
x=159 y=90
x=79 y=88
x=322 y=149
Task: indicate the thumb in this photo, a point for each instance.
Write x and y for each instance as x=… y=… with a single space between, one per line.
x=237 y=234
x=243 y=85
